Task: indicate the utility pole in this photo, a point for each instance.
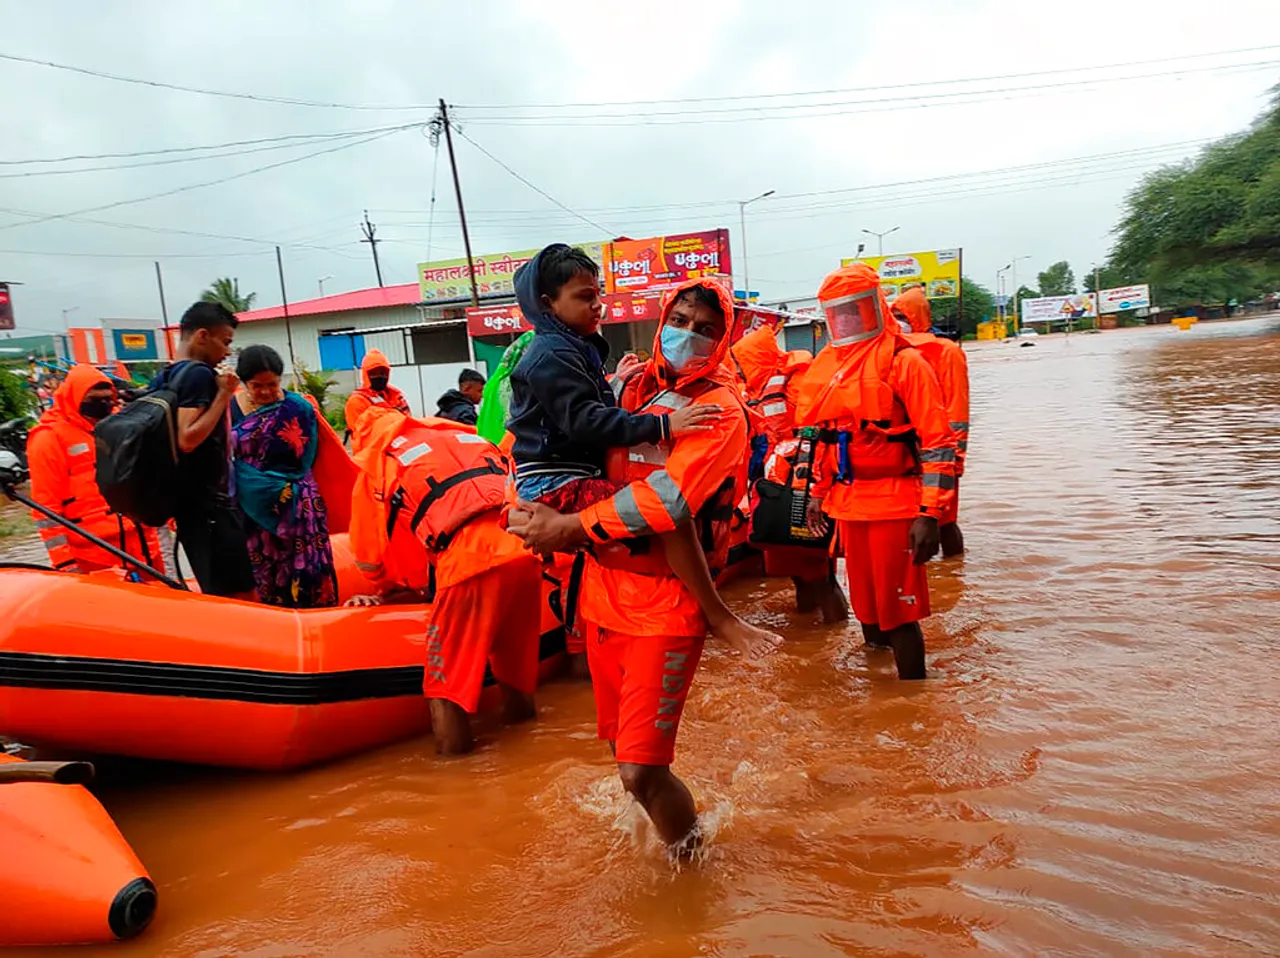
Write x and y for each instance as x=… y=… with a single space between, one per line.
x=288 y=328
x=442 y=120
x=164 y=313
x=369 y=230
x=880 y=237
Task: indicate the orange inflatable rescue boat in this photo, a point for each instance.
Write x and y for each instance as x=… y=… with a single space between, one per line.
x=67 y=877
x=92 y=664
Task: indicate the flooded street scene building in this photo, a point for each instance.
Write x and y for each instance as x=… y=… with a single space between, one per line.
x=817 y=500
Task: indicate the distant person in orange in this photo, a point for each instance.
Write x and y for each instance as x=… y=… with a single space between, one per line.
x=429 y=499
x=768 y=376
x=61 y=457
x=375 y=389
x=952 y=369
x=887 y=473
x=645 y=629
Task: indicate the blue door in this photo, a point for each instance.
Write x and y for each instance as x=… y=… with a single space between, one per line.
x=341 y=350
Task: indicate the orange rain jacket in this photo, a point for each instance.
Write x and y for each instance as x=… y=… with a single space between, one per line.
x=62 y=457
x=366 y=396
x=948 y=361
x=699 y=477
x=429 y=493
x=768 y=374
x=887 y=449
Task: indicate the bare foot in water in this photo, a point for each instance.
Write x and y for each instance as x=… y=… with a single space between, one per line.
x=754 y=643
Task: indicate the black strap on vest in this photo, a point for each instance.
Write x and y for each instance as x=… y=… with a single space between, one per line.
x=574 y=586
x=438 y=489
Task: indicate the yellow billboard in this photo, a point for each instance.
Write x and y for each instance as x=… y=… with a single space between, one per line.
x=938 y=271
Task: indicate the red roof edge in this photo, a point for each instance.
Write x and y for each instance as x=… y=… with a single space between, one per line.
x=406 y=294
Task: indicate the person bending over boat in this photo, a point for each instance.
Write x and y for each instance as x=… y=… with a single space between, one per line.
x=275 y=436
x=644 y=628
x=61 y=456
x=427 y=504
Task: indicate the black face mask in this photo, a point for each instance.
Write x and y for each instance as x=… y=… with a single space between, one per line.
x=378 y=383
x=96 y=408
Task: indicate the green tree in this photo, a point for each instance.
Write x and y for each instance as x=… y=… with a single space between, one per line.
x=1057 y=280
x=316 y=385
x=227 y=292
x=17 y=399
x=979 y=304
x=1208 y=230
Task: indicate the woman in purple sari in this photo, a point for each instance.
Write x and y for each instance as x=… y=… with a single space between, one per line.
x=274 y=442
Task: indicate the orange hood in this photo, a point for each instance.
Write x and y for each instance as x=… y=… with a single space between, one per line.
x=371 y=435
x=851 y=381
x=758 y=357
x=373 y=359
x=68 y=397
x=914 y=306
x=713 y=368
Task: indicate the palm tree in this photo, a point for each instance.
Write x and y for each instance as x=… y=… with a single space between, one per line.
x=227 y=292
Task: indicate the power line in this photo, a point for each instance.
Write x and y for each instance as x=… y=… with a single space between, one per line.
x=835 y=108
x=341 y=134
x=195 y=186
x=235 y=95
x=541 y=192
x=1089 y=159
x=868 y=89
x=187 y=159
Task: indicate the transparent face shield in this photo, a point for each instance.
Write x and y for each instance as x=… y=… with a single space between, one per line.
x=853 y=319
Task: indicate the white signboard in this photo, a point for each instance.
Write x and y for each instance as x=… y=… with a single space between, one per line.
x=1049 y=309
x=1120 y=298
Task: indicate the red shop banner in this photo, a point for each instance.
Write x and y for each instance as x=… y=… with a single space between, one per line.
x=619 y=308
x=635 y=265
x=6 y=308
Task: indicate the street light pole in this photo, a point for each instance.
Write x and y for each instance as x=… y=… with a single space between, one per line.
x=742 y=218
x=1017 y=305
x=321 y=281
x=880 y=237
x=1001 y=312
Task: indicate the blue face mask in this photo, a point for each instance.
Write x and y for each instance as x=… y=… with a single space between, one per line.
x=682 y=349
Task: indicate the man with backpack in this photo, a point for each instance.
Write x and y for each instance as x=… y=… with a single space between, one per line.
x=210 y=528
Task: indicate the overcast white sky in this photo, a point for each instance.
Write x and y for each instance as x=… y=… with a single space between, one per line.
x=638 y=170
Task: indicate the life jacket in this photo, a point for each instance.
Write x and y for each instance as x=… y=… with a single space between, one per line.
x=871 y=448
x=636 y=463
x=439 y=481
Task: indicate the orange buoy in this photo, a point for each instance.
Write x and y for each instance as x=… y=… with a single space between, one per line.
x=67 y=876
x=105 y=666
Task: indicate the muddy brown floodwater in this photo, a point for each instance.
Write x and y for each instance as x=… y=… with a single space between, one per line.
x=1093 y=769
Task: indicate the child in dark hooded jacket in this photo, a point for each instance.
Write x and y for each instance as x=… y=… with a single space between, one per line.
x=564 y=418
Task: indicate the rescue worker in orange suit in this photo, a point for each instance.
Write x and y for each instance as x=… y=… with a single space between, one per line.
x=952 y=369
x=887 y=469
x=644 y=629
x=768 y=377
x=375 y=389
x=61 y=457
x=428 y=499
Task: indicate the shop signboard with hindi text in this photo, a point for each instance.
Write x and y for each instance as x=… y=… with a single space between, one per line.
x=666 y=260
x=938 y=271
x=1055 y=309
x=1119 y=298
x=449 y=279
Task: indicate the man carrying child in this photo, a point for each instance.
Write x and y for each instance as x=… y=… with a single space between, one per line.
x=646 y=609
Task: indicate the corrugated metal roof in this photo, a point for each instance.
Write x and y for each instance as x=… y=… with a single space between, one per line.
x=406 y=294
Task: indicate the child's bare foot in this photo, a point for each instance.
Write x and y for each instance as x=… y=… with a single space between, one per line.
x=752 y=642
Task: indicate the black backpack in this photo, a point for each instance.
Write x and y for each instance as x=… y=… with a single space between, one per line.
x=780 y=516
x=137 y=454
